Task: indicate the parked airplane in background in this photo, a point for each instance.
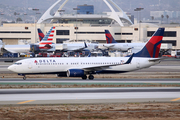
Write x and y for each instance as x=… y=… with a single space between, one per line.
x=81 y=67
x=77 y=47
x=47 y=45
x=124 y=47
x=22 y=48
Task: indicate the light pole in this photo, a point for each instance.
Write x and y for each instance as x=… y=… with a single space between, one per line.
x=139 y=10
x=1 y=18
x=61 y=11
x=76 y=20
x=35 y=9
x=15 y=13
x=25 y=17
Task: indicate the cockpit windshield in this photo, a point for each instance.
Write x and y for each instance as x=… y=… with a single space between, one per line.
x=17 y=63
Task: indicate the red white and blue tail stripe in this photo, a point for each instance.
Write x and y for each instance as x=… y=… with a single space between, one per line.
x=152 y=47
x=47 y=40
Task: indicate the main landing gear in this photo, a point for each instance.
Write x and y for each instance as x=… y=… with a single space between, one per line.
x=91 y=77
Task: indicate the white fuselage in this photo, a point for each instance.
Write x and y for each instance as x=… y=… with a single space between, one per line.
x=16 y=48
x=124 y=47
x=77 y=46
x=68 y=47
x=55 y=65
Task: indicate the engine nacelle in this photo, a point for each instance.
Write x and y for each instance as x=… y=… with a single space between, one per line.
x=75 y=73
x=63 y=74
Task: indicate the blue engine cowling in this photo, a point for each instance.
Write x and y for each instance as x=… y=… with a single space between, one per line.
x=75 y=73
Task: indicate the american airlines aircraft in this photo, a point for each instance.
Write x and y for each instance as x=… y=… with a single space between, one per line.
x=124 y=47
x=81 y=67
x=47 y=45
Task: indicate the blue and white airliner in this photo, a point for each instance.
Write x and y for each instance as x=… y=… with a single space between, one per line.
x=81 y=67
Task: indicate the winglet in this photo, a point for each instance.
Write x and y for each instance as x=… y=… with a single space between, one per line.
x=85 y=45
x=89 y=54
x=129 y=60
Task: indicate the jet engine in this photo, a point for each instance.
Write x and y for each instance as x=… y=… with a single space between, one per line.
x=75 y=73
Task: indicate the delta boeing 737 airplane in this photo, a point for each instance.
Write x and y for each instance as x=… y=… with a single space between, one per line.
x=81 y=67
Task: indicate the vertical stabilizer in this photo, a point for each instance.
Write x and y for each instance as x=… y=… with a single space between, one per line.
x=41 y=34
x=47 y=40
x=152 y=47
x=109 y=37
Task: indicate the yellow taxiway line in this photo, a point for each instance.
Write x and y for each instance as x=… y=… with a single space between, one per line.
x=176 y=99
x=25 y=101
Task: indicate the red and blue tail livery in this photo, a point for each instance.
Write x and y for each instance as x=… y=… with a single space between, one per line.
x=152 y=47
x=41 y=34
x=109 y=37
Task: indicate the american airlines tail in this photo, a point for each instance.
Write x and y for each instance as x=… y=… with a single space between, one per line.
x=152 y=47
x=47 y=40
x=41 y=34
x=109 y=37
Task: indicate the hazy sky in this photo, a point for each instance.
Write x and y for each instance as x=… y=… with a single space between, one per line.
x=99 y=5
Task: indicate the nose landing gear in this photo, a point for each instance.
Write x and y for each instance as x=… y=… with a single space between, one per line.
x=24 y=78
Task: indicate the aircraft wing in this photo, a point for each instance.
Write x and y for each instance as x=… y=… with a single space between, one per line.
x=101 y=67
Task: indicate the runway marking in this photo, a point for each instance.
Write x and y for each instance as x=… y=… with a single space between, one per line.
x=176 y=99
x=25 y=101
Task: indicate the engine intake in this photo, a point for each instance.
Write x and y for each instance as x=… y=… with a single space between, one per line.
x=75 y=73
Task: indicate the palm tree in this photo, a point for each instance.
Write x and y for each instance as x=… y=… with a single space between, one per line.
x=167 y=16
x=152 y=17
x=162 y=16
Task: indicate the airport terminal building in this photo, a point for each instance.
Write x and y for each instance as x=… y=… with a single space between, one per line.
x=86 y=25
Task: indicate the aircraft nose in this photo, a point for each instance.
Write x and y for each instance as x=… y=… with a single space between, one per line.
x=10 y=68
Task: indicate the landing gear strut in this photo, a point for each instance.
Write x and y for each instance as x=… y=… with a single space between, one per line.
x=91 y=77
x=24 y=78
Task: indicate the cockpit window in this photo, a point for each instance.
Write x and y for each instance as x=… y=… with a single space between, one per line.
x=17 y=63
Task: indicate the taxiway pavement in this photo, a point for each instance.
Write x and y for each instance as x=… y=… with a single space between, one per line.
x=88 y=95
